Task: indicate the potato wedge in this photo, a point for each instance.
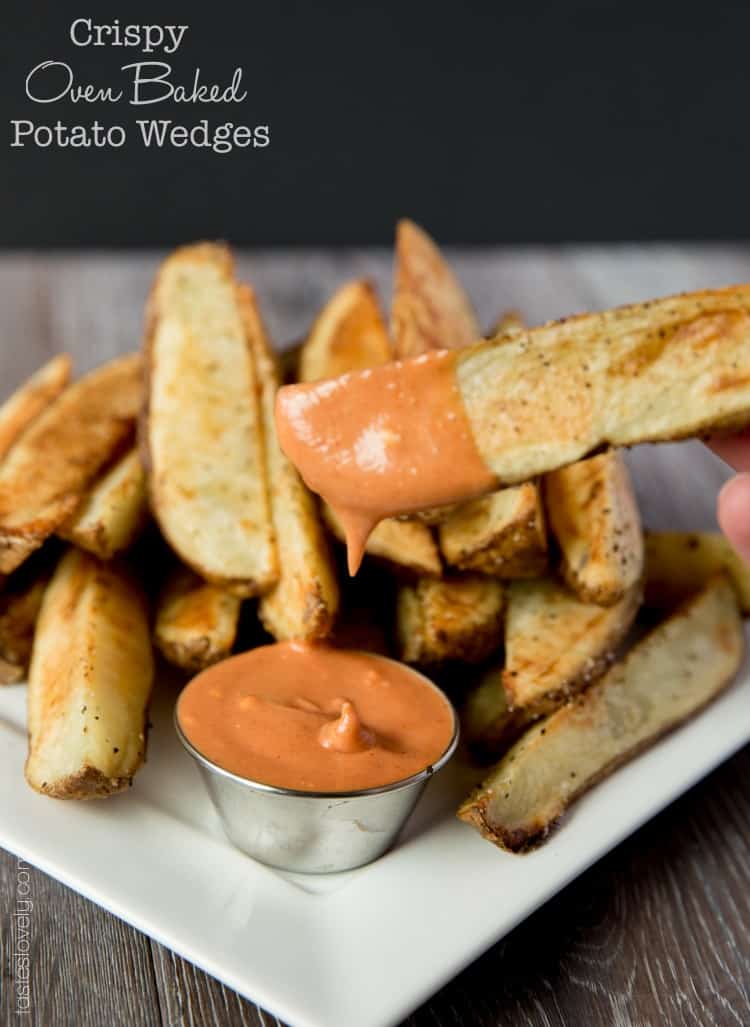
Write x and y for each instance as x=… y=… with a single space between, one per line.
x=489 y=725
x=680 y=562
x=503 y=534
x=20 y=602
x=47 y=472
x=667 y=369
x=202 y=434
x=196 y=623
x=304 y=602
x=404 y=545
x=430 y=307
x=349 y=334
x=671 y=674
x=89 y=682
x=555 y=644
x=457 y=618
x=34 y=396
x=510 y=322
x=594 y=515
x=113 y=511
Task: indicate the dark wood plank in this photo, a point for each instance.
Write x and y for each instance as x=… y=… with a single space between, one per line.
x=86 y=967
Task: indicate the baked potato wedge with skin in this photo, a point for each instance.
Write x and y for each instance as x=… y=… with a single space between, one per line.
x=667 y=369
x=196 y=623
x=404 y=545
x=202 y=434
x=666 y=678
x=678 y=563
x=430 y=307
x=47 y=472
x=113 y=511
x=555 y=644
x=349 y=334
x=20 y=602
x=458 y=618
x=489 y=725
x=34 y=396
x=510 y=322
x=593 y=514
x=89 y=682
x=502 y=534
x=304 y=601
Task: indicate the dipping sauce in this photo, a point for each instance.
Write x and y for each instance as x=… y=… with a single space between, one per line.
x=313 y=718
x=389 y=440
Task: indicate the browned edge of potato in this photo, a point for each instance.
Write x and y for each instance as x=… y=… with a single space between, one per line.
x=593 y=514
x=488 y=724
x=201 y=427
x=48 y=470
x=668 y=369
x=666 y=678
x=502 y=534
x=555 y=644
x=20 y=603
x=680 y=562
x=349 y=335
x=89 y=682
x=430 y=307
x=113 y=512
x=31 y=398
x=196 y=622
x=457 y=618
x=304 y=602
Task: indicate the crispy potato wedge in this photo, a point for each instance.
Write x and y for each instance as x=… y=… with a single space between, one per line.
x=503 y=534
x=555 y=644
x=34 y=396
x=678 y=563
x=47 y=472
x=667 y=369
x=671 y=674
x=113 y=511
x=304 y=602
x=594 y=515
x=196 y=622
x=20 y=602
x=349 y=334
x=430 y=307
x=202 y=432
x=89 y=682
x=404 y=545
x=457 y=618
x=489 y=725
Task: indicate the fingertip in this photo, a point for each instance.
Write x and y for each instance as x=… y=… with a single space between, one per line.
x=734 y=513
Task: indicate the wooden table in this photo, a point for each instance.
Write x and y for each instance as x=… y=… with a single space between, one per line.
x=657 y=933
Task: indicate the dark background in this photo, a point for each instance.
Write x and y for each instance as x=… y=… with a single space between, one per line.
x=488 y=123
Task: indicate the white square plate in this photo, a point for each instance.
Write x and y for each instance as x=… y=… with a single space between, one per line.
x=366 y=947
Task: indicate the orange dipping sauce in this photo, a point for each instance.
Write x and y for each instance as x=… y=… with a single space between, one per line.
x=317 y=719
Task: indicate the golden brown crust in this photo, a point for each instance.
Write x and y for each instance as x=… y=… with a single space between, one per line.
x=458 y=618
x=304 y=602
x=503 y=534
x=430 y=307
x=349 y=334
x=196 y=623
x=200 y=428
x=46 y=473
x=668 y=677
x=594 y=515
x=668 y=369
x=34 y=396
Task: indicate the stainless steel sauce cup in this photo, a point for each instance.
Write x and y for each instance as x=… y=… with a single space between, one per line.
x=313 y=832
